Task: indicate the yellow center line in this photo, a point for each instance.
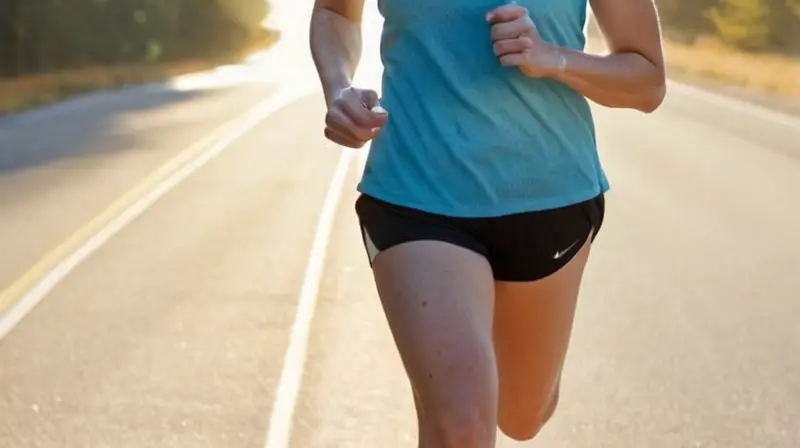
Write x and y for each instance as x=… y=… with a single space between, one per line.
x=13 y=293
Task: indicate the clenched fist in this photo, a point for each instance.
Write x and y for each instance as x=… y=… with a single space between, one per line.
x=517 y=43
x=354 y=117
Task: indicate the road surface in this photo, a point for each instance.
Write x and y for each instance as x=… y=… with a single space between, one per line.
x=166 y=321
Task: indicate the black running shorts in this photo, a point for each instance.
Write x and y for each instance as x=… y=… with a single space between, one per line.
x=520 y=247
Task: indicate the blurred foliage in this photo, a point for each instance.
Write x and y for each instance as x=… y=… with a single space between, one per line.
x=40 y=36
x=751 y=25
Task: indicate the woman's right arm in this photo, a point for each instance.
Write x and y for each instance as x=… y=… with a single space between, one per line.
x=354 y=116
x=335 y=37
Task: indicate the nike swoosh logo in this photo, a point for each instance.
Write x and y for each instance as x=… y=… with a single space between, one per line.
x=561 y=253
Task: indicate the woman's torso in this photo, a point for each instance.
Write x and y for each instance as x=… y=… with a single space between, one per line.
x=468 y=137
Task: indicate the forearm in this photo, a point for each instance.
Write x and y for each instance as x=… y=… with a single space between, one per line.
x=621 y=80
x=335 y=48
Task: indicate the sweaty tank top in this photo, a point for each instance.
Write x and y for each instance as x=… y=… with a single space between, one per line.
x=467 y=137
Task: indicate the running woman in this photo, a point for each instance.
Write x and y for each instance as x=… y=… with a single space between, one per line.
x=483 y=190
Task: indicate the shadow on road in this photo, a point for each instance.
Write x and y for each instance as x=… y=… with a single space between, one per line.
x=95 y=124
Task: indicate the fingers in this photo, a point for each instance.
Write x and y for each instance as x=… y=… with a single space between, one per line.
x=339 y=121
x=354 y=118
x=506 y=13
x=342 y=139
x=511 y=29
x=369 y=98
x=361 y=113
x=515 y=39
x=510 y=46
x=514 y=60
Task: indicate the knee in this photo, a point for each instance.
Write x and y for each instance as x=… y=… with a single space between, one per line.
x=525 y=424
x=467 y=419
x=465 y=428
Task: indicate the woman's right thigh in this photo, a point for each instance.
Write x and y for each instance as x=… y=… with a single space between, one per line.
x=438 y=300
x=438 y=297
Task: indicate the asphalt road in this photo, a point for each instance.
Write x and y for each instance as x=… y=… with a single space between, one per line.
x=173 y=333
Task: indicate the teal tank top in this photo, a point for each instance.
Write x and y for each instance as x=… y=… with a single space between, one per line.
x=467 y=137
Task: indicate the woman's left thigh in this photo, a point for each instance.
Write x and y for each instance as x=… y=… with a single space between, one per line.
x=538 y=261
x=532 y=328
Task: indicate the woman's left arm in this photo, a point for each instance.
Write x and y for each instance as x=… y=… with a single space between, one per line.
x=631 y=76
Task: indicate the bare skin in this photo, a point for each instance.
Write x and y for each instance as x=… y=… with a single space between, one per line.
x=532 y=328
x=479 y=353
x=438 y=299
x=631 y=76
x=482 y=354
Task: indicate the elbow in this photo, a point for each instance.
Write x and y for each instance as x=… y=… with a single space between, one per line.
x=653 y=100
x=654 y=96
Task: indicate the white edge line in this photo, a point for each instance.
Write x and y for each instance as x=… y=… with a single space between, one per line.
x=35 y=295
x=280 y=423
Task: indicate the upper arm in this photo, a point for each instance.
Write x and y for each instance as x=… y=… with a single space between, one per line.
x=352 y=10
x=630 y=26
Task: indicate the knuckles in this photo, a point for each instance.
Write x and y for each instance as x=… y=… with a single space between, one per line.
x=345 y=125
x=508 y=30
x=518 y=45
x=510 y=12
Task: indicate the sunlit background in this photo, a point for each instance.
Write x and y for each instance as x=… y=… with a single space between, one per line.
x=173 y=223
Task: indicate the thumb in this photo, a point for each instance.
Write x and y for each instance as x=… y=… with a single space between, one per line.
x=371 y=101
x=378 y=110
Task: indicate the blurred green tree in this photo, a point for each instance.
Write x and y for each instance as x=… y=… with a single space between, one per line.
x=686 y=19
x=743 y=23
x=44 y=35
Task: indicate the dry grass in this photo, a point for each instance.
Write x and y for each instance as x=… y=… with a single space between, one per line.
x=36 y=90
x=709 y=61
x=31 y=91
